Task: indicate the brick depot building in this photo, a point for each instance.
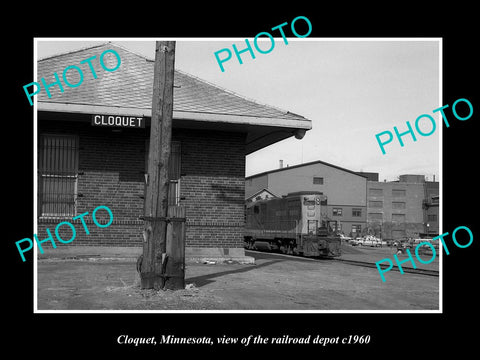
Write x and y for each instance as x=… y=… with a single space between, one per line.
x=86 y=159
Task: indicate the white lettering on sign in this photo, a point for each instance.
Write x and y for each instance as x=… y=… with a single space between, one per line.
x=118 y=121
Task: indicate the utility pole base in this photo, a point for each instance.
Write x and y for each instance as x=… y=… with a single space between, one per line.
x=175 y=283
x=151 y=281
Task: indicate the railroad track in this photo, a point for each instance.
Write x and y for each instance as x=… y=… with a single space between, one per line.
x=356 y=263
x=405 y=269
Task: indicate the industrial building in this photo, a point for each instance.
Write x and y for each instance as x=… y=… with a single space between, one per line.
x=91 y=153
x=407 y=208
x=346 y=190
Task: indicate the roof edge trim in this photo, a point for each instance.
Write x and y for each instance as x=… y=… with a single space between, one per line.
x=304 y=164
x=185 y=115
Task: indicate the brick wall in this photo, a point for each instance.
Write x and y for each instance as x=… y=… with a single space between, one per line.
x=213 y=187
x=111 y=173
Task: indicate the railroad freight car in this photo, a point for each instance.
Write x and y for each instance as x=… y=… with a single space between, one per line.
x=294 y=224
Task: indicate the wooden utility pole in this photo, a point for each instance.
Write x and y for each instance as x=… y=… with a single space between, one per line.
x=154 y=263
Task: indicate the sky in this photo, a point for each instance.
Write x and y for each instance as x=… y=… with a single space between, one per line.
x=350 y=89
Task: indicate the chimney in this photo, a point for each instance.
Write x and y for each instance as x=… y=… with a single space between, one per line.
x=280 y=164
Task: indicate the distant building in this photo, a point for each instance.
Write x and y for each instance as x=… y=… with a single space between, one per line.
x=371 y=176
x=404 y=208
x=346 y=190
x=263 y=194
x=431 y=205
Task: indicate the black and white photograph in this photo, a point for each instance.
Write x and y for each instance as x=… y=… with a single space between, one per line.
x=292 y=183
x=272 y=201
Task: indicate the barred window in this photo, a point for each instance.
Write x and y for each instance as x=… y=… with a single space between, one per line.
x=57 y=175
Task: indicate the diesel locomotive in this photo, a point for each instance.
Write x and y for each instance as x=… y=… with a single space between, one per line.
x=294 y=224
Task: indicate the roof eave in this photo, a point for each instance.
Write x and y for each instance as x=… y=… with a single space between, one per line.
x=261 y=131
x=187 y=115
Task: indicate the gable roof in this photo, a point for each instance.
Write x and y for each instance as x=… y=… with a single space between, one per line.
x=304 y=165
x=129 y=89
x=254 y=195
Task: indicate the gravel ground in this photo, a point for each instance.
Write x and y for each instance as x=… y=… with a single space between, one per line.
x=275 y=282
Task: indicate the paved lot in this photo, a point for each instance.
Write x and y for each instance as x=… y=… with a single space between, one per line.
x=374 y=254
x=275 y=282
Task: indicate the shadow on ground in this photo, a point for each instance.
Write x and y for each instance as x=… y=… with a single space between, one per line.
x=203 y=280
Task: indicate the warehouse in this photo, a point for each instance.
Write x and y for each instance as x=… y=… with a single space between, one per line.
x=93 y=149
x=407 y=208
x=346 y=190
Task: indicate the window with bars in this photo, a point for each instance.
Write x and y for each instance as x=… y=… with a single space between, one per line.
x=57 y=175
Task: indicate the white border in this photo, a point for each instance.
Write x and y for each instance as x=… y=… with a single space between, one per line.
x=35 y=182
x=35 y=294
x=440 y=173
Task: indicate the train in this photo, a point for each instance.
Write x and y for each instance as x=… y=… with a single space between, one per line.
x=296 y=224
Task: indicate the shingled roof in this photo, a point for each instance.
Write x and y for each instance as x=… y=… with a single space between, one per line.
x=128 y=90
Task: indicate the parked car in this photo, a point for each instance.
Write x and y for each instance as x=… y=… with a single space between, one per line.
x=371 y=240
x=345 y=238
x=378 y=243
x=367 y=242
x=426 y=249
x=355 y=242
